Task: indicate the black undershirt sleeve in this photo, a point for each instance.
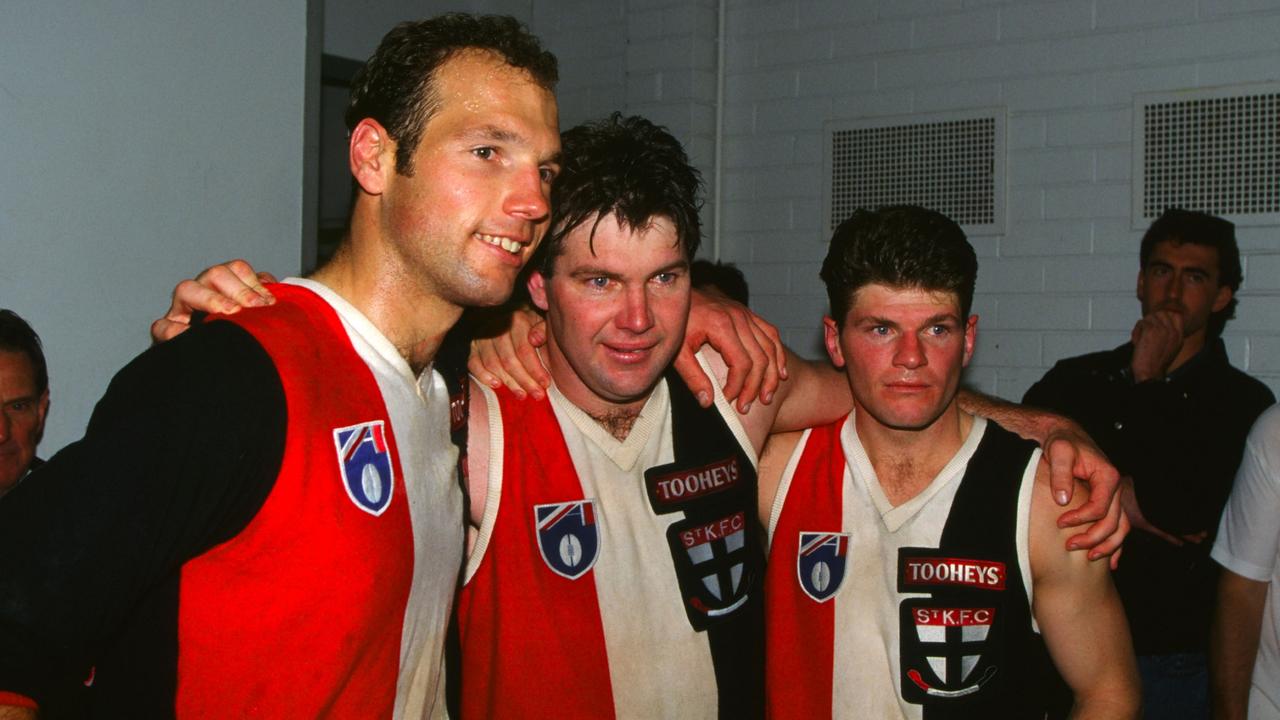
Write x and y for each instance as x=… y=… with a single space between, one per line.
x=179 y=456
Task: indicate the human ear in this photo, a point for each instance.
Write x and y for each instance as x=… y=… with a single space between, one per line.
x=371 y=155
x=538 y=290
x=831 y=337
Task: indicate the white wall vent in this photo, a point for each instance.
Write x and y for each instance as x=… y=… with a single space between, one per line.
x=1216 y=150
x=950 y=162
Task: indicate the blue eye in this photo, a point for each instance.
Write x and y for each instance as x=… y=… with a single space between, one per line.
x=665 y=278
x=598 y=282
x=484 y=153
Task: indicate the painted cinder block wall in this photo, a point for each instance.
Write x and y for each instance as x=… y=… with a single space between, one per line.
x=1060 y=281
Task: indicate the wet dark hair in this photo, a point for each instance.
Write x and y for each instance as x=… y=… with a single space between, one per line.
x=725 y=277
x=626 y=167
x=397 y=86
x=1188 y=226
x=902 y=246
x=16 y=335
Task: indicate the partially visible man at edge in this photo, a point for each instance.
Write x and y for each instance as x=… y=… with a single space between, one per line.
x=24 y=399
x=262 y=518
x=636 y=592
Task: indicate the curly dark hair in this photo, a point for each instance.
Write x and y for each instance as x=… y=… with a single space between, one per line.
x=16 y=335
x=397 y=85
x=1189 y=226
x=900 y=246
x=626 y=167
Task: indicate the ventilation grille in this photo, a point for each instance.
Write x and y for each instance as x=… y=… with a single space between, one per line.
x=1215 y=150
x=952 y=163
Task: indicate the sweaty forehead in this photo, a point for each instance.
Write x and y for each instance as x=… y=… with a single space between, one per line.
x=876 y=298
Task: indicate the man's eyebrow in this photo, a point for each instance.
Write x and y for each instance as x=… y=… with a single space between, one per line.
x=491 y=132
x=941 y=318
x=590 y=272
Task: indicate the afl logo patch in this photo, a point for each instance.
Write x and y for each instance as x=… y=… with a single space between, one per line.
x=820 y=563
x=568 y=537
x=364 y=458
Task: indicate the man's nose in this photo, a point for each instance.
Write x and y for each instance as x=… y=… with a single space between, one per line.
x=908 y=353
x=528 y=198
x=635 y=315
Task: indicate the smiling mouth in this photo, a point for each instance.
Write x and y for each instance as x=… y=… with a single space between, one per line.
x=499 y=241
x=629 y=354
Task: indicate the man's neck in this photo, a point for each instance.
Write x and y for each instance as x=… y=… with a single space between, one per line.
x=617 y=418
x=907 y=461
x=413 y=319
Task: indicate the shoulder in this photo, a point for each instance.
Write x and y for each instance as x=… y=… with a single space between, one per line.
x=216 y=354
x=1095 y=363
x=1247 y=388
x=1071 y=373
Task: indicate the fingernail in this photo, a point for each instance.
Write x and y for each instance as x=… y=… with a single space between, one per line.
x=704 y=399
x=766 y=398
x=746 y=408
x=538 y=395
x=1063 y=497
x=493 y=383
x=1073 y=546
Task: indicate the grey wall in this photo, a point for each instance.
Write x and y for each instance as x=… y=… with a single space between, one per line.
x=1061 y=280
x=352 y=28
x=142 y=142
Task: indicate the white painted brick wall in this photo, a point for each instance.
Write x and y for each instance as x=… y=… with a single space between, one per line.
x=1061 y=281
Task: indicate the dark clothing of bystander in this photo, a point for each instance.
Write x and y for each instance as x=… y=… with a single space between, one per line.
x=1180 y=438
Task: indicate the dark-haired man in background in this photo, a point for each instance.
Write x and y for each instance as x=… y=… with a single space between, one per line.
x=1172 y=414
x=262 y=519
x=24 y=399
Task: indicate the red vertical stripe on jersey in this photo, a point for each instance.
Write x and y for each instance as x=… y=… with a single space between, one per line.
x=532 y=640
x=800 y=632
x=300 y=615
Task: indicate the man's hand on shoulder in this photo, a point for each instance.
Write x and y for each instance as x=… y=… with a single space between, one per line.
x=751 y=347
x=224 y=288
x=1071 y=454
x=505 y=352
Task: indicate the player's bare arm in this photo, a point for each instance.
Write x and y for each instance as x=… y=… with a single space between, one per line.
x=743 y=339
x=1080 y=617
x=1233 y=643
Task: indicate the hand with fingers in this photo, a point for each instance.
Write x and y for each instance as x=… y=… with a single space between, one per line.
x=504 y=352
x=1157 y=340
x=751 y=347
x=224 y=288
x=1072 y=455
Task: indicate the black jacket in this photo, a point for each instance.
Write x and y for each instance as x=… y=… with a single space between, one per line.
x=1181 y=440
